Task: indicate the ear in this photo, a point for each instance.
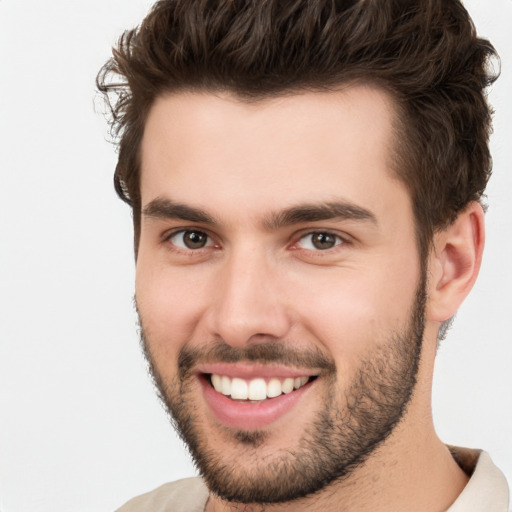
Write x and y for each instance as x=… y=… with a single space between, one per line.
x=454 y=263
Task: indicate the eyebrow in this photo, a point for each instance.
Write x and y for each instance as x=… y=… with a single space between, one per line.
x=335 y=210
x=163 y=208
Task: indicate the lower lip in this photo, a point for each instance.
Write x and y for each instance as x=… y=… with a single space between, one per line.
x=246 y=415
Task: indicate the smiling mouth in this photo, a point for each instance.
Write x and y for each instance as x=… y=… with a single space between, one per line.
x=258 y=389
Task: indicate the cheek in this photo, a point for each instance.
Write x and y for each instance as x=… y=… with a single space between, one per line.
x=353 y=315
x=170 y=303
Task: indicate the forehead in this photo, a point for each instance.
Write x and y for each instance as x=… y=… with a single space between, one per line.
x=214 y=150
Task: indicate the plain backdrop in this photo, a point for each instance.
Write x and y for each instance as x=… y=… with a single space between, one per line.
x=81 y=429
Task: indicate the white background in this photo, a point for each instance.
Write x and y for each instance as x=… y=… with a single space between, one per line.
x=81 y=429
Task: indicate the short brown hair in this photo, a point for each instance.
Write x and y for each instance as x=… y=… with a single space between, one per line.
x=424 y=52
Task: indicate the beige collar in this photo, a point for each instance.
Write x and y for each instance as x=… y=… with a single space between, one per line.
x=487 y=489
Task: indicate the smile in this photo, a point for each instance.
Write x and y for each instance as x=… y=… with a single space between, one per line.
x=257 y=389
x=248 y=397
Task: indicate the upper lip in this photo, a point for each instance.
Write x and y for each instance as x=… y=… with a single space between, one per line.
x=252 y=370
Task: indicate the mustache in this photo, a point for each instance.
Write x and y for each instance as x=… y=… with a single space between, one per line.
x=272 y=352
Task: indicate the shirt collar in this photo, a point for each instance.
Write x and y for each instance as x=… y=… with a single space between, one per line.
x=487 y=489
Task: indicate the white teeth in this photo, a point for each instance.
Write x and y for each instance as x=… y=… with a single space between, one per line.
x=217 y=383
x=274 y=388
x=239 y=389
x=226 y=386
x=288 y=385
x=299 y=382
x=255 y=389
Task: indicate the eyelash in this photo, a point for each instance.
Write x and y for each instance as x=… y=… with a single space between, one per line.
x=338 y=240
x=182 y=232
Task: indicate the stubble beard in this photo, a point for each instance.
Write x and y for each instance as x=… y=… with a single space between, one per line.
x=347 y=430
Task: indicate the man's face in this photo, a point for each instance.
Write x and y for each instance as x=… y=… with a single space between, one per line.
x=279 y=286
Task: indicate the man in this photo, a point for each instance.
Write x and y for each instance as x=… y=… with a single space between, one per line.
x=305 y=179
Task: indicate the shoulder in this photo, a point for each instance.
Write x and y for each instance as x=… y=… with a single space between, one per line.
x=187 y=495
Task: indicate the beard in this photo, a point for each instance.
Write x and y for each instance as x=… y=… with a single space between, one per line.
x=349 y=427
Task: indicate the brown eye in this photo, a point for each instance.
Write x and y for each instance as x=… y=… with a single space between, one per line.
x=320 y=241
x=323 y=240
x=190 y=239
x=194 y=239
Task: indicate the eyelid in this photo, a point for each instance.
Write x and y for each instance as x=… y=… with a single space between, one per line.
x=167 y=235
x=343 y=237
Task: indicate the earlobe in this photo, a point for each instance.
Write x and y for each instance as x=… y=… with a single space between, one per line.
x=454 y=263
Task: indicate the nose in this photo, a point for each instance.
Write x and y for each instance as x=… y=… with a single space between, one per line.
x=249 y=305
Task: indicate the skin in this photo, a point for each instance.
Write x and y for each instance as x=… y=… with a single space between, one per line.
x=243 y=164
